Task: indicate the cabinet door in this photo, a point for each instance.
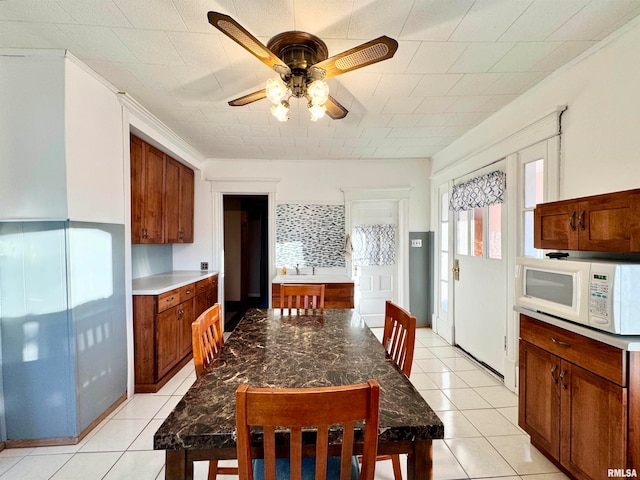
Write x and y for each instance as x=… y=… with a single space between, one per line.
x=594 y=423
x=167 y=341
x=153 y=217
x=185 y=319
x=172 y=201
x=539 y=397
x=204 y=300
x=609 y=223
x=137 y=189
x=556 y=225
x=179 y=190
x=186 y=205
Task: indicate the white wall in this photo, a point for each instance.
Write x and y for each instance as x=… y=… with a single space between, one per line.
x=600 y=139
x=94 y=148
x=32 y=150
x=321 y=181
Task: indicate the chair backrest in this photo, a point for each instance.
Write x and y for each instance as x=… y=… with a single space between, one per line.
x=207 y=337
x=295 y=408
x=301 y=296
x=399 y=337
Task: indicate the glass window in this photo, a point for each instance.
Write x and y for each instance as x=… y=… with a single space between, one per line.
x=533 y=183
x=533 y=194
x=444 y=251
x=462 y=237
x=444 y=296
x=495 y=231
x=444 y=265
x=477 y=232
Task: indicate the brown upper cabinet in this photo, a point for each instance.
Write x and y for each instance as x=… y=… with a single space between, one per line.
x=147 y=193
x=179 y=202
x=162 y=196
x=600 y=223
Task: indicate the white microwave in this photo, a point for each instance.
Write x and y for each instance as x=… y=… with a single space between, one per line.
x=598 y=293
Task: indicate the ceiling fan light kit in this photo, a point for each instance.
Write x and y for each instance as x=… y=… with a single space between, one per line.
x=302 y=62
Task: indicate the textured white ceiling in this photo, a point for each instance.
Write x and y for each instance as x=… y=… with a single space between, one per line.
x=458 y=62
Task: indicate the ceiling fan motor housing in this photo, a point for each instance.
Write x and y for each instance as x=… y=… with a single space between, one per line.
x=299 y=51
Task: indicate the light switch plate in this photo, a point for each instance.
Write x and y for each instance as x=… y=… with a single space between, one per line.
x=416 y=242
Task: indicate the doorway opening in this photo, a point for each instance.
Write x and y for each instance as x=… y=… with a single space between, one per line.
x=246 y=255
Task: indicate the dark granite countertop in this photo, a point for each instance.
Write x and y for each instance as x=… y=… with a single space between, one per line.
x=270 y=350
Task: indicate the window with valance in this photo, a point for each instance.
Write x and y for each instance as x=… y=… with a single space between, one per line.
x=481 y=191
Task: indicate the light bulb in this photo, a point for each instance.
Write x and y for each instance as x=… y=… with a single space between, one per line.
x=318 y=92
x=280 y=111
x=317 y=112
x=276 y=90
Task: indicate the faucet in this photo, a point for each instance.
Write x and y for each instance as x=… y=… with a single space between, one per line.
x=297 y=269
x=313 y=270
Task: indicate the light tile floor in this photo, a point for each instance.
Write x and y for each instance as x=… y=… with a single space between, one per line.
x=482 y=439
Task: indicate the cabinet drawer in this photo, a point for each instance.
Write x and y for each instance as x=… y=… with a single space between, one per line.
x=187 y=292
x=602 y=359
x=168 y=299
x=203 y=285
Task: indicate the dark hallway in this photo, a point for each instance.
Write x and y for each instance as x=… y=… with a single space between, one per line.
x=246 y=255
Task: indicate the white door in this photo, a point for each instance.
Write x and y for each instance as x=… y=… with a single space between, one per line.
x=374 y=284
x=480 y=284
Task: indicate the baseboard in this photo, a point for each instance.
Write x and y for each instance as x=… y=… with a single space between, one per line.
x=58 y=441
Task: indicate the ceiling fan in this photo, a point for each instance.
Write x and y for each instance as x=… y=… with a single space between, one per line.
x=302 y=62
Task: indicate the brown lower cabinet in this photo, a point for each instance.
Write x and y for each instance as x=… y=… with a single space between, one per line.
x=576 y=400
x=336 y=295
x=162 y=331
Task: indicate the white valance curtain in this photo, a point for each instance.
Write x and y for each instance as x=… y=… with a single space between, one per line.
x=374 y=245
x=480 y=191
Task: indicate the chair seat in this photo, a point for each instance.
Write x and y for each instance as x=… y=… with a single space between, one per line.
x=308 y=468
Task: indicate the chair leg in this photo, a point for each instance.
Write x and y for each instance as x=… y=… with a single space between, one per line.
x=397 y=473
x=213 y=469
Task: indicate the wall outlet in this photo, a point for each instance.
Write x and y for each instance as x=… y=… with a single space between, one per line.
x=204 y=265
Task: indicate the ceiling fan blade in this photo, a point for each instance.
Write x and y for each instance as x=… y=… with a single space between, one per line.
x=250 y=98
x=334 y=109
x=242 y=37
x=381 y=48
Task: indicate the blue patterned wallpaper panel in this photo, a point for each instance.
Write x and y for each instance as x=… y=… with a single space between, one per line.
x=310 y=235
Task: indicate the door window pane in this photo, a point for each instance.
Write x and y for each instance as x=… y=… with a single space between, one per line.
x=527 y=223
x=462 y=237
x=477 y=232
x=533 y=183
x=444 y=207
x=444 y=296
x=444 y=265
x=495 y=231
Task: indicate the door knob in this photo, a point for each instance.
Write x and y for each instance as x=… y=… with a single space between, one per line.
x=456 y=269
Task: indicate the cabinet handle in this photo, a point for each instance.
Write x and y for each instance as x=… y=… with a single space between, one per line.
x=562 y=374
x=558 y=342
x=188 y=292
x=180 y=314
x=581 y=220
x=571 y=218
x=169 y=299
x=553 y=370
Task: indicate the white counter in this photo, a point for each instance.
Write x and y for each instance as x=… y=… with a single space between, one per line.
x=320 y=278
x=630 y=343
x=163 y=282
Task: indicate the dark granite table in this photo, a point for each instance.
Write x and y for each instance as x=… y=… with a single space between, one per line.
x=270 y=350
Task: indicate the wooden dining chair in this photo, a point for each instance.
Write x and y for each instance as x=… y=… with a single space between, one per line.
x=301 y=296
x=207 y=337
x=293 y=409
x=399 y=339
